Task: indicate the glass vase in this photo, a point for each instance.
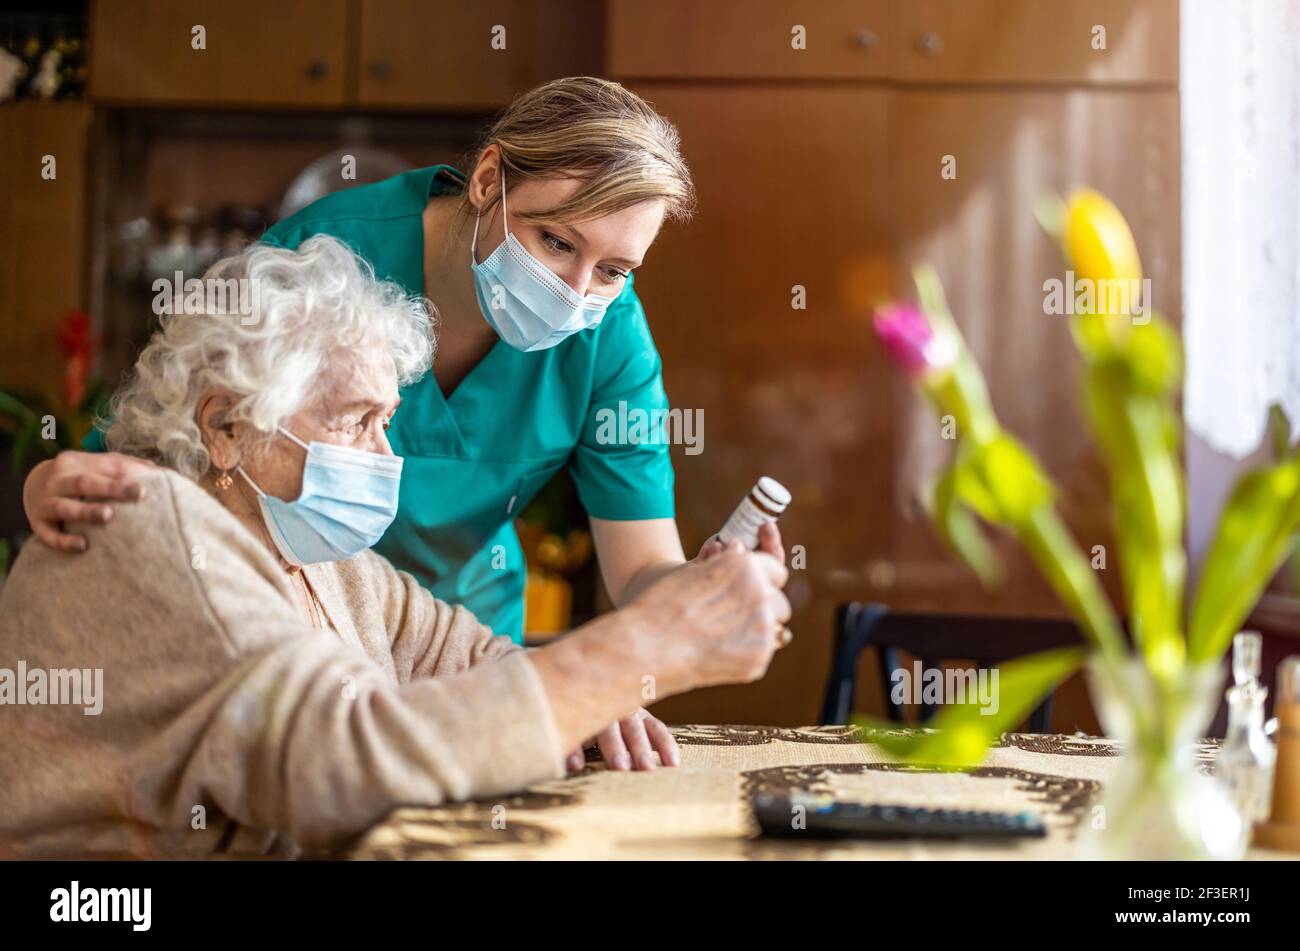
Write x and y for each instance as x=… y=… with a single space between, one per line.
x=1160 y=803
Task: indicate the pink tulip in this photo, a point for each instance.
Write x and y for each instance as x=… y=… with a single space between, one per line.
x=910 y=340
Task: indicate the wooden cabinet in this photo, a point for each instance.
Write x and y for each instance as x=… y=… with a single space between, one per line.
x=1015 y=41
x=479 y=55
x=437 y=55
x=725 y=39
x=43 y=233
x=984 y=41
x=452 y=55
x=759 y=307
x=291 y=53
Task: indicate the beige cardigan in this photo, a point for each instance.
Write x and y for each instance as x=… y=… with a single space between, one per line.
x=228 y=723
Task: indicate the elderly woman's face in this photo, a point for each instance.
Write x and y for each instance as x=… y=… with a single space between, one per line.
x=355 y=399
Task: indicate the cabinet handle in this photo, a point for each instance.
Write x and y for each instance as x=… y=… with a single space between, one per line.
x=929 y=44
x=381 y=69
x=318 y=69
x=866 y=39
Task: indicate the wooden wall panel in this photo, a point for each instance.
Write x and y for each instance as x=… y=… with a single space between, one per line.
x=980 y=232
x=793 y=190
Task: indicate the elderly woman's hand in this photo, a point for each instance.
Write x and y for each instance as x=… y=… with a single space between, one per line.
x=712 y=622
x=74 y=487
x=631 y=743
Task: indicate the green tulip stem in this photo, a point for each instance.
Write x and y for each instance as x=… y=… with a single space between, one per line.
x=1072 y=578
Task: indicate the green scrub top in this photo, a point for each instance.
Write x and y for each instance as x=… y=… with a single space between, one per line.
x=475 y=459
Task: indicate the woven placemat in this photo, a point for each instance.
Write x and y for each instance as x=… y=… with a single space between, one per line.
x=699 y=810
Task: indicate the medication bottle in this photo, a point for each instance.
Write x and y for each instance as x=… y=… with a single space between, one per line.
x=765 y=503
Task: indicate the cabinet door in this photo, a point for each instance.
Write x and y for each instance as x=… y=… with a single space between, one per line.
x=479 y=55
x=760 y=309
x=1038 y=41
x=42 y=234
x=849 y=39
x=289 y=53
x=979 y=231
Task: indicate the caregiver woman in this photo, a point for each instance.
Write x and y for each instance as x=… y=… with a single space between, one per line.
x=529 y=262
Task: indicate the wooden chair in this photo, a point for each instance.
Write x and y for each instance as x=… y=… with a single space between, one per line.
x=932 y=638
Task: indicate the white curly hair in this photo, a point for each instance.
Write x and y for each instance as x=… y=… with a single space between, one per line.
x=307 y=304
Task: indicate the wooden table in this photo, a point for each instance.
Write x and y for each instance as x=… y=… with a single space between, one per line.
x=699 y=809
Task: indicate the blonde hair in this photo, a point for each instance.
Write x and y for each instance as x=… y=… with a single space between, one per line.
x=598 y=132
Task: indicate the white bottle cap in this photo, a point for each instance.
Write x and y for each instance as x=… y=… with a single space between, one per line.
x=776 y=496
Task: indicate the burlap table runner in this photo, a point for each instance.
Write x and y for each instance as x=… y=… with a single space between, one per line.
x=699 y=810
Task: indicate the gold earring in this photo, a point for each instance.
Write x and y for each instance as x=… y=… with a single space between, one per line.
x=224 y=482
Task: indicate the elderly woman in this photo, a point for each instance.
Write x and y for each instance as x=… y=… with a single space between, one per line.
x=268 y=683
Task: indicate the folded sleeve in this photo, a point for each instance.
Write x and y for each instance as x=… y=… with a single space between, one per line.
x=621 y=464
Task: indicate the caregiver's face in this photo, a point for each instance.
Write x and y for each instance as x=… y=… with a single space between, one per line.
x=354 y=399
x=592 y=257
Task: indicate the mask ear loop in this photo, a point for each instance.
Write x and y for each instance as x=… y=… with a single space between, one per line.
x=505 y=224
x=282 y=431
x=246 y=478
x=286 y=432
x=505 y=213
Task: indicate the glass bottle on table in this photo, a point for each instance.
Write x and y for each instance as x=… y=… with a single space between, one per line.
x=1245 y=762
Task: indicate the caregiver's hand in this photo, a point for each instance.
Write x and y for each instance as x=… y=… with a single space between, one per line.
x=73 y=487
x=632 y=743
x=769 y=540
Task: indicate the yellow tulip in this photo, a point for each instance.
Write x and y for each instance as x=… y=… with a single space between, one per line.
x=1098 y=239
x=1102 y=251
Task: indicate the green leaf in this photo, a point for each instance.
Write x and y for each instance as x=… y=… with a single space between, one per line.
x=1133 y=421
x=1253 y=538
x=962 y=733
x=1153 y=355
x=1070 y=575
x=1279 y=430
x=1012 y=478
x=960 y=530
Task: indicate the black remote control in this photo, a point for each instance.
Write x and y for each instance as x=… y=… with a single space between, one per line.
x=824 y=818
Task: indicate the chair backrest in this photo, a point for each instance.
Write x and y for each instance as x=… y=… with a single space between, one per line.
x=988 y=640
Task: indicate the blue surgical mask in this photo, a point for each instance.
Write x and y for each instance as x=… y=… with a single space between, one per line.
x=525 y=302
x=348 y=500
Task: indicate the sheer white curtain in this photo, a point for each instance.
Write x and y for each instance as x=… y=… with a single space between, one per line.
x=1240 y=66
